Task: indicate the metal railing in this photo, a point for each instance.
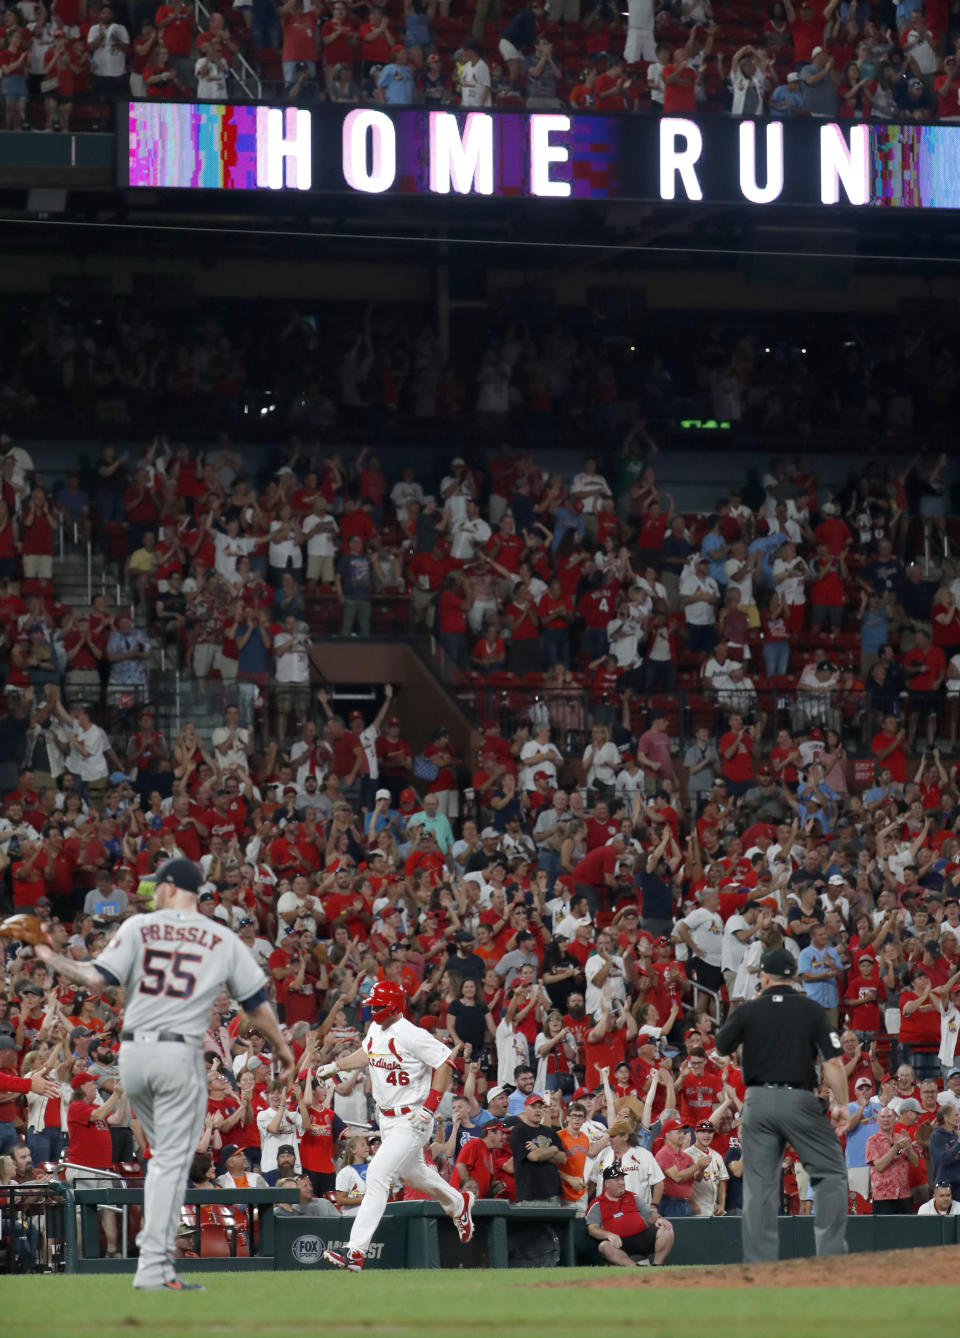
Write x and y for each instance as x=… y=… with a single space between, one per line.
x=81 y=1228
x=95 y=1173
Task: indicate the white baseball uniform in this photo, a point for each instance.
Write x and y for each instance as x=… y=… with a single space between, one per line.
x=401 y=1060
x=171 y=964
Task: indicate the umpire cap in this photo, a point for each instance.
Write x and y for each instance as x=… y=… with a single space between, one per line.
x=776 y=962
x=183 y=873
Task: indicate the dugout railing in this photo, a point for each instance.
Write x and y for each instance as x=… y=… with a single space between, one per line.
x=419 y=1235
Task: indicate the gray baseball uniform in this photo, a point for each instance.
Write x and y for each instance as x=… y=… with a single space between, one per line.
x=171 y=964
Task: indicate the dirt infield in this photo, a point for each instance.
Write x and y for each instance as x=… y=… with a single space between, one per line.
x=888 y=1268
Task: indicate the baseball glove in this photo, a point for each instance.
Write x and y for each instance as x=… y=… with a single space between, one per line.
x=24 y=928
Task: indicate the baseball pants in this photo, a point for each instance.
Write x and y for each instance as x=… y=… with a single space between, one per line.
x=400 y=1155
x=773 y=1117
x=168 y=1091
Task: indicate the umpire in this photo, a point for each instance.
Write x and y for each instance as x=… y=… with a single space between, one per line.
x=782 y=1032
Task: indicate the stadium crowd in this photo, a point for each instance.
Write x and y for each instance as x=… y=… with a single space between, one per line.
x=67 y=63
x=697 y=737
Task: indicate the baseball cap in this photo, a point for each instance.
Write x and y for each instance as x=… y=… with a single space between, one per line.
x=80 y=1031
x=793 y=77
x=463 y=936
x=494 y=1126
x=489 y=834
x=778 y=962
x=227 y=1152
x=287 y=1147
x=541 y=775
x=817 y=50
x=836 y=880
x=81 y=1079
x=397 y=48
x=392 y=720
x=433 y=59
x=355 y=715
x=888 y=1077
x=31 y=989
x=76 y=941
x=672 y=1125
x=862 y=1082
x=705 y=1127
x=493 y=1092
x=534 y=1099
x=7 y=1041
x=382 y=794
x=408 y=796
x=613 y=1172
x=913 y=1104
x=183 y=873
x=580 y=1092
x=205 y=896
x=953 y=1072
x=662 y=942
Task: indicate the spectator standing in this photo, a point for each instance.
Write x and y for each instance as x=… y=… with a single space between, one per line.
x=640 y=43
x=396 y=82
x=890 y=1155
x=819 y=89
x=520 y=34
x=748 y=81
x=474 y=77
x=300 y=31
x=538 y=1154
x=543 y=75
x=338 y=44
x=679 y=1171
x=211 y=72
x=176 y=29
x=820 y=969
x=699 y=597
x=786 y=100
x=128 y=650
x=37 y=537
x=108 y=43
x=354 y=585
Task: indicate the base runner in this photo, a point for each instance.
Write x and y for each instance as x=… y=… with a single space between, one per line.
x=172 y=963
x=409 y=1072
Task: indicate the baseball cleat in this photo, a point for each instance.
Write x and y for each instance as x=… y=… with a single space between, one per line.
x=464 y=1221
x=352 y=1260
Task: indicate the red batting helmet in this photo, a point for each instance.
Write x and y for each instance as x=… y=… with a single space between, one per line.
x=386 y=998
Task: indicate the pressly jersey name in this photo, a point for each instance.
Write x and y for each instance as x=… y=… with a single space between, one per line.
x=401 y=1060
x=172 y=964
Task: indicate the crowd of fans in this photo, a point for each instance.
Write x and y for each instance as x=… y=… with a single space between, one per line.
x=698 y=737
x=68 y=63
x=127 y=367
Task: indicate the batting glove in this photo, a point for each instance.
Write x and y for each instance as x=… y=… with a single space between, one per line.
x=421 y=1121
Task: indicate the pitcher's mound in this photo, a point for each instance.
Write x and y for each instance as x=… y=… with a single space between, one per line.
x=938 y=1267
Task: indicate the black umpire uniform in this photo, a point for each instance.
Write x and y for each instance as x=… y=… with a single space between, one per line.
x=782 y=1033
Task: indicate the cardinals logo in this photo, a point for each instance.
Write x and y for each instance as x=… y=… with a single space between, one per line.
x=392 y=1047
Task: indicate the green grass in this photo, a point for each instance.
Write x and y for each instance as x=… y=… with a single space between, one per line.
x=467 y=1304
